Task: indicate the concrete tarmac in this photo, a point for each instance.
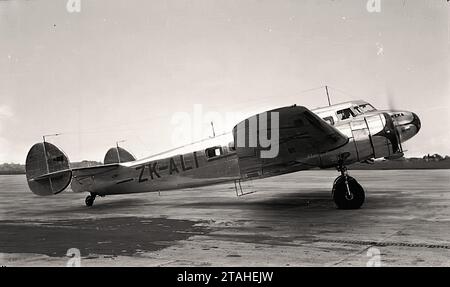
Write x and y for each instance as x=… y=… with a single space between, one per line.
x=290 y=220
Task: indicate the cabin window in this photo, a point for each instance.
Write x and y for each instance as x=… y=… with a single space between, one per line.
x=213 y=151
x=366 y=108
x=345 y=114
x=329 y=120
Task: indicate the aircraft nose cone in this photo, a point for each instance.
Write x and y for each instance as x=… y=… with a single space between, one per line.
x=416 y=121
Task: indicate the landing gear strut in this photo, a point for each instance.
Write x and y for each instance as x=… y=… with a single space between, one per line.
x=90 y=199
x=347 y=192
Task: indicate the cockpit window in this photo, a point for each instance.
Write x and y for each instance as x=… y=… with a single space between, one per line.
x=345 y=114
x=357 y=111
x=364 y=108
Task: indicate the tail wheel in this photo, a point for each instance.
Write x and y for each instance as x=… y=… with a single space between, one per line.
x=351 y=197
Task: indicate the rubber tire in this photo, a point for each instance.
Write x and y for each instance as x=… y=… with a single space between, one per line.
x=89 y=200
x=340 y=190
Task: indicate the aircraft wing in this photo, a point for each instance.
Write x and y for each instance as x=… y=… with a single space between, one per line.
x=307 y=131
x=303 y=136
x=299 y=129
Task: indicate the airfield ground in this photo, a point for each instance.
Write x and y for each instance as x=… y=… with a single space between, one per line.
x=290 y=221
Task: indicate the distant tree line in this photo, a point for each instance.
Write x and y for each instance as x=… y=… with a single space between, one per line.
x=429 y=161
x=435 y=157
x=12 y=168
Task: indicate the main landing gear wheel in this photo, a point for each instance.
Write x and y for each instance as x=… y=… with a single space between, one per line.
x=347 y=193
x=90 y=200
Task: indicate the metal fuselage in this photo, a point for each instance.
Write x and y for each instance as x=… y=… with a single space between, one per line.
x=371 y=134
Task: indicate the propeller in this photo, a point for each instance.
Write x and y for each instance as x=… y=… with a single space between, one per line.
x=391 y=107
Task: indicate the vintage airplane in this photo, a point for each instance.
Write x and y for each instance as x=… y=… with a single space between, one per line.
x=332 y=136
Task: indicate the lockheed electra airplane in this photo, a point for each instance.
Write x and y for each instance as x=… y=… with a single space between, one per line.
x=328 y=137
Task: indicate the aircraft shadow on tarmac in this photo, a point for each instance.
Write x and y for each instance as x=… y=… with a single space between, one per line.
x=124 y=234
x=314 y=200
x=318 y=199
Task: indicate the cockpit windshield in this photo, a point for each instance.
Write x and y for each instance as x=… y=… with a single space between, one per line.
x=345 y=114
x=364 y=108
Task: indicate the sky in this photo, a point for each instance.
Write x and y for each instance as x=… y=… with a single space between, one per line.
x=130 y=70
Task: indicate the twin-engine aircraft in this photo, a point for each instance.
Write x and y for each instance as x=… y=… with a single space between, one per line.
x=327 y=137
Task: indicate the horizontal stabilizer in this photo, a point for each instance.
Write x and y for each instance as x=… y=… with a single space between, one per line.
x=54 y=174
x=94 y=170
x=83 y=178
x=80 y=171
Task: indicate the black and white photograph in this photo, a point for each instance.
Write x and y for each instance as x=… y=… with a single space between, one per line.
x=224 y=133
